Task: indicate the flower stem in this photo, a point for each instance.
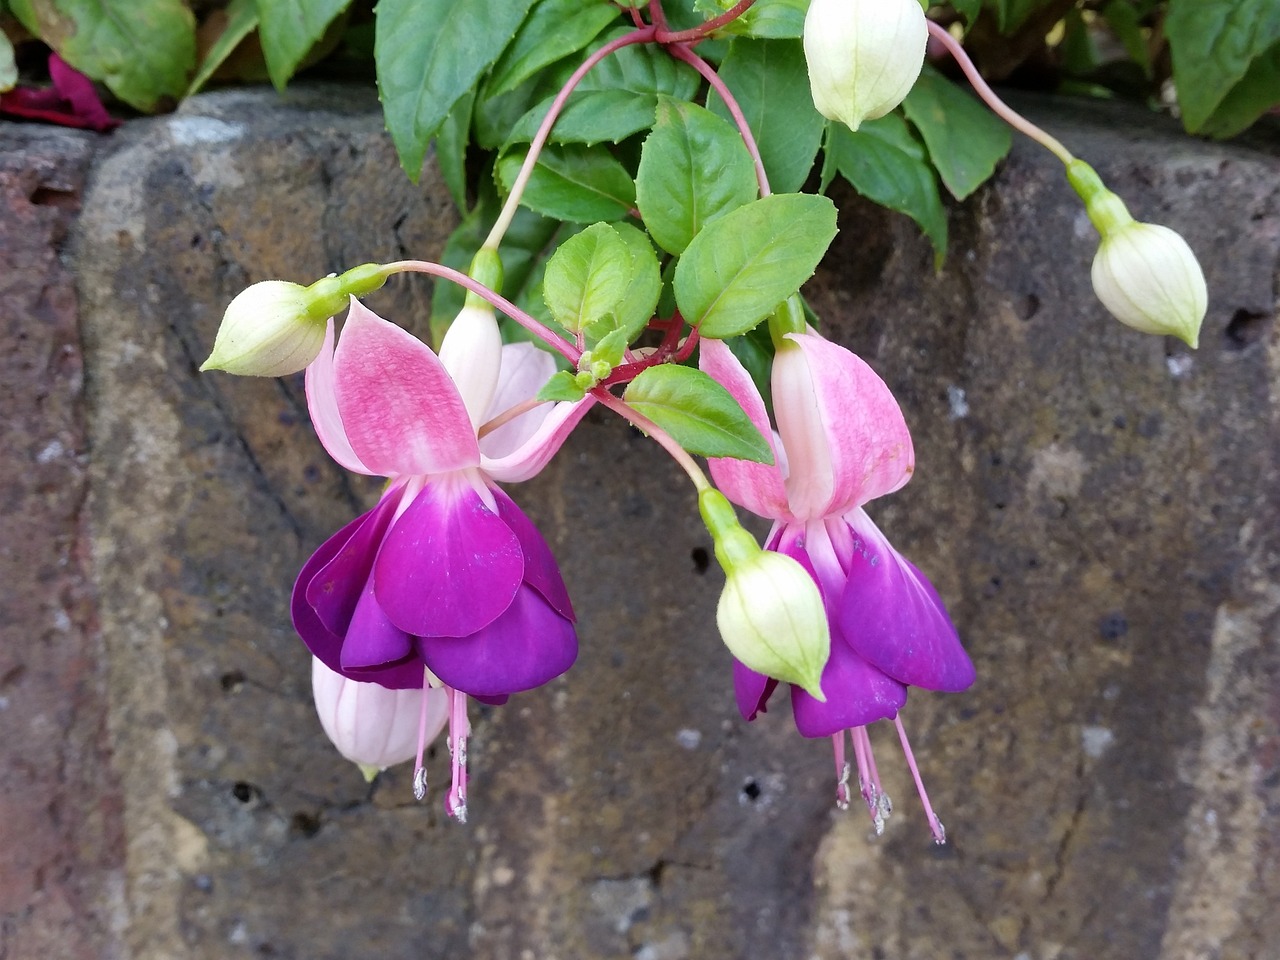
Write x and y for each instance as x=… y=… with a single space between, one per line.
x=1001 y=109
x=709 y=74
x=644 y=424
x=500 y=226
x=536 y=327
x=694 y=34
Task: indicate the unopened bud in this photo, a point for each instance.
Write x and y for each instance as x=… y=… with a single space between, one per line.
x=863 y=56
x=770 y=615
x=1144 y=273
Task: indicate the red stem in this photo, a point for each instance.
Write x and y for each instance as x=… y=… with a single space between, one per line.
x=701 y=31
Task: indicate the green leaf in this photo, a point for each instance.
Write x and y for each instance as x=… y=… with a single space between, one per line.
x=610 y=348
x=8 y=67
x=886 y=164
x=969 y=9
x=1125 y=23
x=693 y=169
x=740 y=267
x=562 y=386
x=964 y=138
x=242 y=20
x=143 y=50
x=555 y=29
x=635 y=309
x=288 y=29
x=699 y=414
x=451 y=149
x=770 y=81
x=587 y=276
x=1213 y=43
x=576 y=183
x=1256 y=93
x=430 y=53
x=1011 y=13
x=769 y=19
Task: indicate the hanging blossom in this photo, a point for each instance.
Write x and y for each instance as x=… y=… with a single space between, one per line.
x=841 y=442
x=445 y=582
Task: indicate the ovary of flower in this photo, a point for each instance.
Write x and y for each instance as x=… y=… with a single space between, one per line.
x=841 y=441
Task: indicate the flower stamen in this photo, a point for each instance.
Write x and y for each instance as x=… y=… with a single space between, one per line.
x=842 y=772
x=459 y=730
x=935 y=825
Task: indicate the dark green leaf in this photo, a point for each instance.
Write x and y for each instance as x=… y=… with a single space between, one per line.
x=430 y=53
x=288 y=29
x=1011 y=13
x=1256 y=93
x=1213 y=43
x=740 y=267
x=242 y=18
x=964 y=138
x=697 y=412
x=969 y=9
x=693 y=169
x=555 y=29
x=587 y=276
x=451 y=149
x=885 y=164
x=561 y=386
x=577 y=183
x=1122 y=18
x=770 y=81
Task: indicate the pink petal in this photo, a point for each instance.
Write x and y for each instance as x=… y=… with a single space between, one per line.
x=525 y=369
x=528 y=459
x=857 y=694
x=449 y=566
x=322 y=403
x=758 y=487
x=893 y=617
x=401 y=411
x=845 y=437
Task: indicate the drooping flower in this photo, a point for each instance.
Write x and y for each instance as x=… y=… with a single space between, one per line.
x=446 y=572
x=841 y=442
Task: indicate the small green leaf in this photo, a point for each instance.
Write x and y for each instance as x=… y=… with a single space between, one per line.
x=610 y=347
x=693 y=169
x=143 y=50
x=634 y=311
x=964 y=138
x=886 y=164
x=770 y=81
x=587 y=276
x=699 y=414
x=430 y=53
x=576 y=183
x=561 y=386
x=1213 y=43
x=554 y=29
x=242 y=19
x=288 y=29
x=8 y=67
x=740 y=267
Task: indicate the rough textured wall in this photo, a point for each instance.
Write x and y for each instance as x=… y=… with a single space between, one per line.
x=1099 y=508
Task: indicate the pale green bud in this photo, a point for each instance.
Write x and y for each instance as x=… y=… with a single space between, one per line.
x=863 y=55
x=770 y=614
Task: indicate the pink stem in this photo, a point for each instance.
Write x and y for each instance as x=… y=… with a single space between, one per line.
x=1001 y=109
x=502 y=419
x=935 y=825
x=744 y=129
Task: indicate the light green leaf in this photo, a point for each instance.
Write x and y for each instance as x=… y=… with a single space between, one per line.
x=610 y=347
x=555 y=29
x=693 y=169
x=770 y=81
x=885 y=164
x=1213 y=43
x=430 y=53
x=769 y=19
x=8 y=67
x=699 y=414
x=964 y=138
x=587 y=276
x=576 y=183
x=242 y=20
x=143 y=50
x=740 y=267
x=288 y=29
x=633 y=312
x=562 y=386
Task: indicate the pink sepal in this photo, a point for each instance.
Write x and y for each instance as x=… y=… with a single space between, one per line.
x=322 y=403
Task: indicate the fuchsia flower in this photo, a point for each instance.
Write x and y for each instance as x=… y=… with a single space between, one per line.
x=841 y=442
x=445 y=580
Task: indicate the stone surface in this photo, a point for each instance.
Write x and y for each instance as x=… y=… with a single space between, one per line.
x=1099 y=509
x=59 y=799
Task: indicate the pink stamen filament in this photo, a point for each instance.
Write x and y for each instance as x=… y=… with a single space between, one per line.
x=459 y=729
x=502 y=419
x=419 y=771
x=842 y=771
x=935 y=825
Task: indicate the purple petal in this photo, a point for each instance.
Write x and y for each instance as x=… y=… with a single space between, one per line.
x=333 y=587
x=524 y=648
x=752 y=690
x=540 y=568
x=450 y=565
x=372 y=640
x=893 y=617
x=857 y=694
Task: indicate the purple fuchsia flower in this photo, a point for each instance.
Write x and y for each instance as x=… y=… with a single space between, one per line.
x=841 y=442
x=445 y=582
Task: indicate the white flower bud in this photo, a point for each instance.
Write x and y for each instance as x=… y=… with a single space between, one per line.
x=1149 y=279
x=268 y=331
x=370 y=725
x=472 y=353
x=863 y=55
